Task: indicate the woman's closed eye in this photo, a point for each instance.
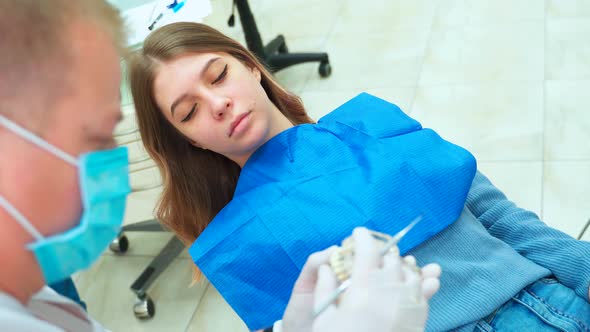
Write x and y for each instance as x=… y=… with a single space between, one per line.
x=190 y=114
x=221 y=76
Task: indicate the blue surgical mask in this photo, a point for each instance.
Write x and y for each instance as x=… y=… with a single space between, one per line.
x=104 y=186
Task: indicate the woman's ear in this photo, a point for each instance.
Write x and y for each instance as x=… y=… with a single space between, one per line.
x=196 y=145
x=257 y=73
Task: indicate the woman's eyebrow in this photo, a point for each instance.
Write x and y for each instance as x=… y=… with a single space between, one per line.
x=184 y=95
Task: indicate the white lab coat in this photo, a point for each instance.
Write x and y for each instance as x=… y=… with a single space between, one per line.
x=47 y=311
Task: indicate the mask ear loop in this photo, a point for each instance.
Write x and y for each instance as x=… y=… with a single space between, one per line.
x=20 y=218
x=36 y=140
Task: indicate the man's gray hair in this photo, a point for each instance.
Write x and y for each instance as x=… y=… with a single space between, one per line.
x=35 y=47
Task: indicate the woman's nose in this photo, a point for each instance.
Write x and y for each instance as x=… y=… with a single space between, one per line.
x=221 y=106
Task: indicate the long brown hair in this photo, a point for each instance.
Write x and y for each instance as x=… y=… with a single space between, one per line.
x=197 y=183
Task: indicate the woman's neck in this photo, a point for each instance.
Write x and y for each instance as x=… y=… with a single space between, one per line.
x=277 y=125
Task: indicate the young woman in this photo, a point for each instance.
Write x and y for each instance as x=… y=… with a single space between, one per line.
x=254 y=186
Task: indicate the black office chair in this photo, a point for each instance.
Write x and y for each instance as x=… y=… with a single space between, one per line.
x=275 y=55
x=145 y=307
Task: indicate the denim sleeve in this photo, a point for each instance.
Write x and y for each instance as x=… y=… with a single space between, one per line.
x=567 y=258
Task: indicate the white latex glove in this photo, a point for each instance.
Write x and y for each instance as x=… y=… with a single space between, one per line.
x=385 y=295
x=298 y=315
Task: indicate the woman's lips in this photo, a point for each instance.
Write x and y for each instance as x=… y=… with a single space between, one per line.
x=236 y=122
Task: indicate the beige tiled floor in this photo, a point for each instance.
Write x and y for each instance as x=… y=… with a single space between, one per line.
x=567 y=122
x=495 y=121
x=507 y=79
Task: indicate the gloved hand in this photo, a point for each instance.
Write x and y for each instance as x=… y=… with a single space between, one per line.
x=298 y=315
x=385 y=295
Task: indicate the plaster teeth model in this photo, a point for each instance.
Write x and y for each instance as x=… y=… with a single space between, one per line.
x=342 y=258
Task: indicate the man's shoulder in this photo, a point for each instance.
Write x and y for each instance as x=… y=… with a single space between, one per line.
x=13 y=318
x=25 y=324
x=16 y=317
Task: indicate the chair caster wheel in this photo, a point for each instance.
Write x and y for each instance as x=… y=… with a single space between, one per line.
x=325 y=69
x=144 y=308
x=119 y=245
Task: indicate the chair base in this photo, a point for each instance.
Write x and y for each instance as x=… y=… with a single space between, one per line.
x=277 y=57
x=145 y=307
x=276 y=54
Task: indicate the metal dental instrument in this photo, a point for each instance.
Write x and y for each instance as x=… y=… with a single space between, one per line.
x=344 y=285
